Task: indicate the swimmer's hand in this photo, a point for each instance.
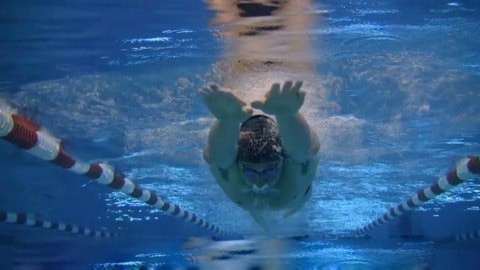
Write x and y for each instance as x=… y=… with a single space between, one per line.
x=224 y=105
x=286 y=100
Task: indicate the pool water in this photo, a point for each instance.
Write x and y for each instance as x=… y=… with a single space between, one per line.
x=392 y=92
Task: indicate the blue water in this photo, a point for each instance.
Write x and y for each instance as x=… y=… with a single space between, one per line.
x=392 y=91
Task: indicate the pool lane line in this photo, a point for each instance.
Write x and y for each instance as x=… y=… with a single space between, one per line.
x=29 y=220
x=464 y=237
x=28 y=135
x=474 y=235
x=467 y=168
x=458 y=238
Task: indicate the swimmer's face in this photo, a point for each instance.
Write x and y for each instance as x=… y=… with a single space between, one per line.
x=261 y=176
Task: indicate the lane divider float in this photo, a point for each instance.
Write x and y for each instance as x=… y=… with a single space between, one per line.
x=466 y=169
x=475 y=235
x=30 y=220
x=27 y=135
x=464 y=237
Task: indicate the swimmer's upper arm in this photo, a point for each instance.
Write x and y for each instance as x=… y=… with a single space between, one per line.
x=206 y=155
x=221 y=148
x=298 y=139
x=221 y=175
x=223 y=163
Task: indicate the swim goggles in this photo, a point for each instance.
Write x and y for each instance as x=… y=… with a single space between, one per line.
x=270 y=171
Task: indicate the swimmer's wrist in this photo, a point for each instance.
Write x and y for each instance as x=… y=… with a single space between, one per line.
x=286 y=115
x=237 y=119
x=285 y=111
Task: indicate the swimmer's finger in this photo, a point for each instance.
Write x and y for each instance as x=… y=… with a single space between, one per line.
x=209 y=88
x=204 y=91
x=297 y=86
x=287 y=86
x=301 y=96
x=274 y=91
x=214 y=87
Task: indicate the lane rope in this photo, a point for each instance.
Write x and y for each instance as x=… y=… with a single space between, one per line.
x=467 y=168
x=459 y=238
x=464 y=237
x=474 y=235
x=28 y=135
x=30 y=220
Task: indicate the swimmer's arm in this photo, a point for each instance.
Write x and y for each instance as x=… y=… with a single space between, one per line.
x=221 y=149
x=294 y=209
x=230 y=111
x=298 y=139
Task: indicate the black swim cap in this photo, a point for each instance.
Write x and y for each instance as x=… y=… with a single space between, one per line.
x=259 y=140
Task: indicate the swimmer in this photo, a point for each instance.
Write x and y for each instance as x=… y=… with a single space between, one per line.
x=262 y=163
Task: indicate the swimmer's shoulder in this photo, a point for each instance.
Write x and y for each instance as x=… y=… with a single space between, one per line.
x=228 y=175
x=297 y=169
x=232 y=185
x=295 y=185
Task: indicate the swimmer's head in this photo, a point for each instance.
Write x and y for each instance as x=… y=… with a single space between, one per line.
x=259 y=141
x=260 y=153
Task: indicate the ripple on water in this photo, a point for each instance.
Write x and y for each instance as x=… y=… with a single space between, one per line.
x=368 y=39
x=350 y=265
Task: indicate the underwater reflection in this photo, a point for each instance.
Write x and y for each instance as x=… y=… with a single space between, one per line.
x=239 y=254
x=262 y=38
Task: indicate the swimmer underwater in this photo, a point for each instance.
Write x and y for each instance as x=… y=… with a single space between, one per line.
x=260 y=163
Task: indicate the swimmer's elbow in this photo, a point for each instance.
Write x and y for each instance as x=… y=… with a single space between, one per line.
x=312 y=150
x=206 y=156
x=314 y=146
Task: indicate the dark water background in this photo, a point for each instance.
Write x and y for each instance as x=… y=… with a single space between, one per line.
x=117 y=80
